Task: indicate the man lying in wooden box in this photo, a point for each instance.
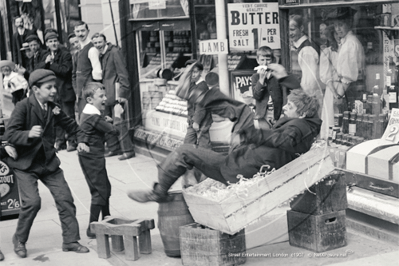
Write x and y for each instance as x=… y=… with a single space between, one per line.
x=291 y=136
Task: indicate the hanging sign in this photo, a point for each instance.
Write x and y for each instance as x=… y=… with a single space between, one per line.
x=213 y=47
x=392 y=131
x=252 y=25
x=158 y=4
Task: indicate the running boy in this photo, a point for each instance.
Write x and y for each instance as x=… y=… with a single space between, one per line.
x=95 y=128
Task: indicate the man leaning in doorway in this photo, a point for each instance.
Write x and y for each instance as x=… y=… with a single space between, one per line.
x=117 y=85
x=88 y=66
x=18 y=39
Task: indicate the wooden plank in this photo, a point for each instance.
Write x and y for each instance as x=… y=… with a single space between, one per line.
x=103 y=246
x=117 y=243
x=131 y=248
x=295 y=186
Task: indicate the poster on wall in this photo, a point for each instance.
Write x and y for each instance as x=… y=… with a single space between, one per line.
x=252 y=25
x=240 y=81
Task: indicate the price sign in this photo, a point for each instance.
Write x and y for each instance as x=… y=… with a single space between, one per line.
x=10 y=202
x=392 y=131
x=252 y=25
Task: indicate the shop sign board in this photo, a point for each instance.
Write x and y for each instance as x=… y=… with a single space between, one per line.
x=213 y=47
x=10 y=202
x=252 y=25
x=392 y=131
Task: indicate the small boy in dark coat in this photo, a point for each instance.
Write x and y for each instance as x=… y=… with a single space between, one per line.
x=95 y=128
x=199 y=120
x=265 y=85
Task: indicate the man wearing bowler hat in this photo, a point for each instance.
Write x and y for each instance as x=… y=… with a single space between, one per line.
x=31 y=130
x=60 y=62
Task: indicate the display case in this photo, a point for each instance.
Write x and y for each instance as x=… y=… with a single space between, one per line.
x=359 y=86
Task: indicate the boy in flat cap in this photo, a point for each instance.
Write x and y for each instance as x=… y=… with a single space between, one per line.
x=59 y=60
x=31 y=130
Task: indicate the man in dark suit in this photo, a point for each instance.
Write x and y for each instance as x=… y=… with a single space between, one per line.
x=31 y=130
x=18 y=39
x=60 y=62
x=117 y=85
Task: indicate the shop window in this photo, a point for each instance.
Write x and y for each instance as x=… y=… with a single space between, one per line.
x=346 y=55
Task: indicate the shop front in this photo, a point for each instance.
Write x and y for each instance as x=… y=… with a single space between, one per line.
x=166 y=35
x=344 y=52
x=353 y=45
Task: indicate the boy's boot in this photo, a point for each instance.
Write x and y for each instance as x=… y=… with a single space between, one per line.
x=160 y=191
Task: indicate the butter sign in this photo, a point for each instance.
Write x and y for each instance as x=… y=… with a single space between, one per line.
x=392 y=131
x=252 y=25
x=213 y=47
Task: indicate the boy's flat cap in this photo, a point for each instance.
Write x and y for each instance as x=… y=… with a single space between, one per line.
x=41 y=76
x=50 y=35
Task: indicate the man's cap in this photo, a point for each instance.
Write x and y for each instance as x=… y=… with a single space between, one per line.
x=41 y=76
x=4 y=63
x=32 y=38
x=25 y=46
x=50 y=35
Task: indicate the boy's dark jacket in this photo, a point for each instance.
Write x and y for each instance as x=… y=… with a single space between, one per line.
x=28 y=113
x=272 y=87
x=275 y=147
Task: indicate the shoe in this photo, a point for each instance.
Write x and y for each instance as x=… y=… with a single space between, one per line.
x=19 y=247
x=74 y=246
x=127 y=155
x=1 y=256
x=112 y=153
x=71 y=146
x=155 y=194
x=89 y=233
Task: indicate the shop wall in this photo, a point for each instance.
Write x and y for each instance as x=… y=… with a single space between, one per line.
x=102 y=20
x=91 y=11
x=108 y=27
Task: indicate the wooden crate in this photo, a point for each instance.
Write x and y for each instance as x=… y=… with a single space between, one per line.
x=318 y=233
x=236 y=211
x=202 y=246
x=328 y=195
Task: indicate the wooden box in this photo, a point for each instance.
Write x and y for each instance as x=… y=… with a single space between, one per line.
x=326 y=196
x=356 y=156
x=202 y=246
x=318 y=233
x=237 y=210
x=379 y=164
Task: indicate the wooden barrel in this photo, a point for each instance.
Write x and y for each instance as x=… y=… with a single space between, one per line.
x=172 y=215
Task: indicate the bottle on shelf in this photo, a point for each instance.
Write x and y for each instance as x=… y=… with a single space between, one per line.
x=352 y=124
x=345 y=122
x=370 y=127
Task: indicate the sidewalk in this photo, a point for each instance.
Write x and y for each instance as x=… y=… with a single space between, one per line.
x=44 y=245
